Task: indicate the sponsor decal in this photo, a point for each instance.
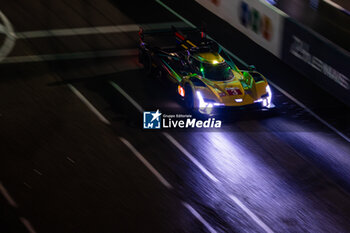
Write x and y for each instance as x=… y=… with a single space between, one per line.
x=157 y=120
x=233 y=91
x=259 y=23
x=300 y=49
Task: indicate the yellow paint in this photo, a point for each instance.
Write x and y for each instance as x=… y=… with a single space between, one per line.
x=209 y=57
x=189 y=42
x=184 y=46
x=248 y=96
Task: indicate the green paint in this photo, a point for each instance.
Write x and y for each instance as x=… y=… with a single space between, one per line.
x=172 y=71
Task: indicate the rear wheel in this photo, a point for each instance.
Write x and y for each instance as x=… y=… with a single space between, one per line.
x=146 y=59
x=158 y=74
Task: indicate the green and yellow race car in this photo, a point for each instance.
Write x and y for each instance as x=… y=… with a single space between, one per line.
x=204 y=75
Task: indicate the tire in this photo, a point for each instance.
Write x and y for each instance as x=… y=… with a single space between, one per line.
x=158 y=74
x=146 y=60
x=189 y=102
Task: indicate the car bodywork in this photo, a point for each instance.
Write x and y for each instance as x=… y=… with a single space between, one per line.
x=205 y=76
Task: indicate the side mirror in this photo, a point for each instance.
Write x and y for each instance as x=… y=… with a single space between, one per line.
x=251 y=68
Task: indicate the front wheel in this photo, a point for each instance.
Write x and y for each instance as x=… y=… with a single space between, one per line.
x=189 y=101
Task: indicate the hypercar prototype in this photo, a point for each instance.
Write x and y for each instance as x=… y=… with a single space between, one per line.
x=204 y=75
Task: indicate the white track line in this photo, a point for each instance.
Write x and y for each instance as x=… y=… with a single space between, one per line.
x=12 y=202
x=70 y=56
x=38 y=172
x=310 y=112
x=147 y=164
x=95 y=30
x=199 y=217
x=155 y=172
x=88 y=104
x=168 y=136
x=68 y=32
x=10 y=39
x=176 y=14
x=190 y=157
x=77 y=31
x=274 y=85
x=27 y=224
x=70 y=160
x=195 y=161
x=194 y=26
x=336 y=6
x=6 y=48
x=166 y=183
x=256 y=219
x=127 y=96
x=7 y=196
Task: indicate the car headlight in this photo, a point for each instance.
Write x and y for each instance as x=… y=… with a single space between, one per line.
x=268 y=91
x=266 y=99
x=266 y=102
x=205 y=103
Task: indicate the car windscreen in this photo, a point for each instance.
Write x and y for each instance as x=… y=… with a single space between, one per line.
x=216 y=72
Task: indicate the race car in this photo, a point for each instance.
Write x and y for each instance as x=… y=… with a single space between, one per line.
x=204 y=75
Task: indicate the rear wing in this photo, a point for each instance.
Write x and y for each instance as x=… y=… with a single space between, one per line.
x=184 y=36
x=144 y=32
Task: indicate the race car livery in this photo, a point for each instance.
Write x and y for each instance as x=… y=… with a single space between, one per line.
x=205 y=76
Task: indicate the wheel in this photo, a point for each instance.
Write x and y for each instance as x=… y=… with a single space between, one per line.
x=158 y=74
x=189 y=104
x=146 y=60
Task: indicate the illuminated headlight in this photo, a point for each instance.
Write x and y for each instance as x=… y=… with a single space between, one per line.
x=269 y=97
x=205 y=104
x=266 y=101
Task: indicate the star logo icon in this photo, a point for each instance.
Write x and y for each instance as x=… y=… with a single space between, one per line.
x=156 y=115
x=151 y=120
